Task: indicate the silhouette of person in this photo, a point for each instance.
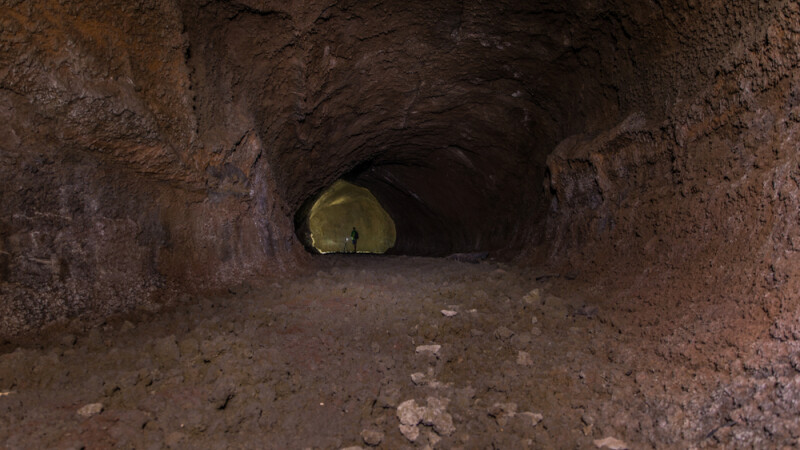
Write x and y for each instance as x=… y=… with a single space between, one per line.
x=354 y=237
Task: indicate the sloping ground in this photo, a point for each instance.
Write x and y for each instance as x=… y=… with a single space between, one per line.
x=333 y=359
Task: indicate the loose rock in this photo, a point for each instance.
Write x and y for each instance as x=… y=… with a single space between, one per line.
x=418 y=378
x=532 y=297
x=503 y=333
x=372 y=437
x=411 y=432
x=90 y=410
x=410 y=413
x=610 y=443
x=434 y=349
x=532 y=419
x=524 y=359
x=436 y=416
x=502 y=412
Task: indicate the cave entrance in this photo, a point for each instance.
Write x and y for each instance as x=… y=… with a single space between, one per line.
x=326 y=225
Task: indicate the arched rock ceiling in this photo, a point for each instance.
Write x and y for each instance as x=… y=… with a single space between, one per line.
x=149 y=142
x=446 y=109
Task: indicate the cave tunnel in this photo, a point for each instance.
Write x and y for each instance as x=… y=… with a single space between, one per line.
x=324 y=224
x=628 y=168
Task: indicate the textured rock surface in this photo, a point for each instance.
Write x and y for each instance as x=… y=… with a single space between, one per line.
x=316 y=360
x=150 y=148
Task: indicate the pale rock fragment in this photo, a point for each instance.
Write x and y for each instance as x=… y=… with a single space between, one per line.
x=434 y=349
x=610 y=443
x=436 y=416
x=418 y=378
x=90 y=410
x=531 y=419
x=524 y=359
x=503 y=333
x=409 y=412
x=449 y=313
x=411 y=432
x=372 y=437
x=502 y=412
x=532 y=297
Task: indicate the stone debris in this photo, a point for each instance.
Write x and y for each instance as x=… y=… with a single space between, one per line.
x=422 y=379
x=411 y=432
x=532 y=297
x=434 y=414
x=449 y=313
x=90 y=410
x=502 y=412
x=533 y=419
x=610 y=443
x=524 y=359
x=372 y=437
x=409 y=412
x=503 y=333
x=434 y=349
x=433 y=439
x=354 y=447
x=418 y=378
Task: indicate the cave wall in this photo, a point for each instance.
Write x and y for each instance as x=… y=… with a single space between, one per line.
x=151 y=147
x=110 y=199
x=702 y=199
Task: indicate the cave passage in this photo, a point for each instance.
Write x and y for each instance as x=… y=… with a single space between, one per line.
x=339 y=209
x=629 y=169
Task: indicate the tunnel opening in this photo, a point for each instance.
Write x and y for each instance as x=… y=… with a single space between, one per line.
x=631 y=168
x=345 y=218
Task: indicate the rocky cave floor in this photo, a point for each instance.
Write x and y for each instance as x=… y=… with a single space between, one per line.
x=401 y=352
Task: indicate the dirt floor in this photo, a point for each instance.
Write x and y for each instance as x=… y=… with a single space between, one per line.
x=400 y=352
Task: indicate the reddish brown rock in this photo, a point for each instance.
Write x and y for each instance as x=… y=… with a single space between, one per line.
x=155 y=147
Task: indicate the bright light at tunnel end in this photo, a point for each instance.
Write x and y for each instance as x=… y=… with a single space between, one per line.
x=341 y=208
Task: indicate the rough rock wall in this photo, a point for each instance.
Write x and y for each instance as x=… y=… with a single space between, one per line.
x=108 y=196
x=704 y=197
x=158 y=143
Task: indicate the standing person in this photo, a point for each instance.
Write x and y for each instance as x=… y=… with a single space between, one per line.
x=354 y=237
